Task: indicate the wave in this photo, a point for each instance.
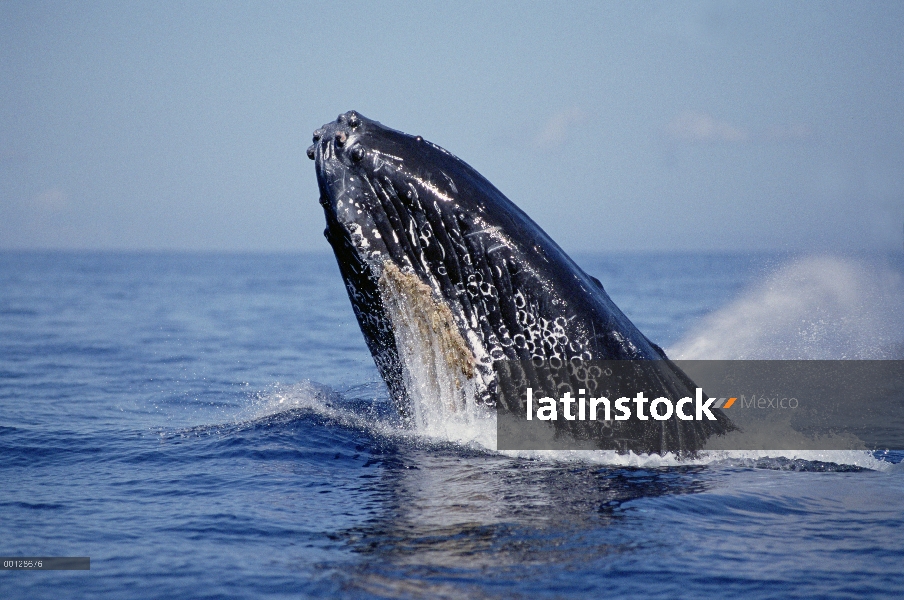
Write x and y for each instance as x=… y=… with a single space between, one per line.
x=811 y=308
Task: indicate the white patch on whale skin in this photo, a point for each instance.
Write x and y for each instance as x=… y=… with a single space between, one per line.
x=440 y=368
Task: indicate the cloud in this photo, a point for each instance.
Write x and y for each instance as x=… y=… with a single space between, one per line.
x=555 y=131
x=700 y=127
x=691 y=126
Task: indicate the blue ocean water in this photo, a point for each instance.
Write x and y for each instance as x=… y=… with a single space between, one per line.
x=212 y=425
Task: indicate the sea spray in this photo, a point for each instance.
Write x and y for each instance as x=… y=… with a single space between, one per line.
x=817 y=307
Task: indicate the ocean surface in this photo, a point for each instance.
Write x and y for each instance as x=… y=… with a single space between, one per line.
x=212 y=425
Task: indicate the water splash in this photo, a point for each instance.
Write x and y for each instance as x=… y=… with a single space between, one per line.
x=817 y=307
x=440 y=371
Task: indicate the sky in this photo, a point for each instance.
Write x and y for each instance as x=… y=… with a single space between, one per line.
x=660 y=126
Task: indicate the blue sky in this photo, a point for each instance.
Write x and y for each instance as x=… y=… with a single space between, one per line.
x=616 y=126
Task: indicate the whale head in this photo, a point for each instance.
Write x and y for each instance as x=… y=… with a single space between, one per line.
x=446 y=275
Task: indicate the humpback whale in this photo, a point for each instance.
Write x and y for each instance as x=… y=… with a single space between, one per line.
x=447 y=276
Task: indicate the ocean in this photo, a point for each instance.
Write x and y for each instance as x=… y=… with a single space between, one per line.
x=211 y=425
